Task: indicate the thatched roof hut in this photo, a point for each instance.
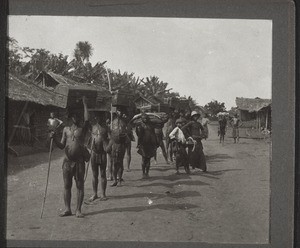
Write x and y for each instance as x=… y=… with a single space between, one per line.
x=68 y=93
x=252 y=104
x=21 y=89
x=29 y=107
x=255 y=110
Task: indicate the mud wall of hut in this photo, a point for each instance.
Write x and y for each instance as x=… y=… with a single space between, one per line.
x=36 y=129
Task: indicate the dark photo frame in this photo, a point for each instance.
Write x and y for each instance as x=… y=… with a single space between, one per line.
x=282 y=14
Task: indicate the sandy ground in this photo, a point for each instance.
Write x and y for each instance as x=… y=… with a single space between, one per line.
x=228 y=204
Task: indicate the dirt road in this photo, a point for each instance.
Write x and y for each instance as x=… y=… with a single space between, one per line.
x=228 y=204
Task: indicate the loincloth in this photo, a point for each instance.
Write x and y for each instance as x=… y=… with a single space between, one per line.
x=118 y=152
x=235 y=132
x=76 y=169
x=98 y=158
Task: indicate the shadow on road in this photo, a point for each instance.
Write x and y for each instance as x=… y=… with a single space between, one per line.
x=214 y=174
x=216 y=158
x=172 y=177
x=181 y=194
x=17 y=164
x=168 y=207
x=156 y=168
x=161 y=169
x=171 y=185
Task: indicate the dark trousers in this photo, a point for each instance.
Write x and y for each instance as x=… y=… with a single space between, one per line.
x=146 y=165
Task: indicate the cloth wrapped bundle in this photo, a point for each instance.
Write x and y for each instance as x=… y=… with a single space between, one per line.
x=154 y=118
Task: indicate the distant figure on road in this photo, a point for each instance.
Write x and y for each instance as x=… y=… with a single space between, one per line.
x=99 y=139
x=147 y=143
x=179 y=147
x=193 y=130
x=53 y=124
x=76 y=154
x=205 y=122
x=222 y=127
x=235 y=123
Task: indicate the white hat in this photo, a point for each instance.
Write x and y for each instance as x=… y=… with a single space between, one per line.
x=194 y=113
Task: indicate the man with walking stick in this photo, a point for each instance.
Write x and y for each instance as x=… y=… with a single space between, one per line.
x=53 y=125
x=76 y=154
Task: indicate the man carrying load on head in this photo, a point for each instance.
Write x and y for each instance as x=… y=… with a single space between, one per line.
x=147 y=143
x=117 y=145
x=99 y=139
x=76 y=154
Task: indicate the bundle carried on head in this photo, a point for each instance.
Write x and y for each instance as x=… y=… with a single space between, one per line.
x=154 y=118
x=222 y=114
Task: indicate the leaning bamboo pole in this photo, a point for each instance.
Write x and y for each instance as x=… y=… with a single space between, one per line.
x=267 y=117
x=109 y=88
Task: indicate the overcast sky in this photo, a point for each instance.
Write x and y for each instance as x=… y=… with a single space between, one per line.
x=209 y=59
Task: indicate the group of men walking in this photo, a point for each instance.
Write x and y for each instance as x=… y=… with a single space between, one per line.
x=235 y=124
x=110 y=142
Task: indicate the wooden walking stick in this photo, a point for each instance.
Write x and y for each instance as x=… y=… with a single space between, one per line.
x=45 y=194
x=87 y=168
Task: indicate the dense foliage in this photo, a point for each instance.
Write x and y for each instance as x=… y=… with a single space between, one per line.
x=29 y=62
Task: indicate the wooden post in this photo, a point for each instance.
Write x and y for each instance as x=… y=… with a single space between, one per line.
x=267 y=117
x=18 y=122
x=258 y=121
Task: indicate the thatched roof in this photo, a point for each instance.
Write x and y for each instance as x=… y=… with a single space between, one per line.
x=153 y=100
x=56 y=80
x=252 y=104
x=20 y=89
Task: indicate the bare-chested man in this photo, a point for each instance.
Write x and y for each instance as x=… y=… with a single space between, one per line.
x=129 y=139
x=116 y=147
x=53 y=125
x=147 y=143
x=99 y=137
x=74 y=162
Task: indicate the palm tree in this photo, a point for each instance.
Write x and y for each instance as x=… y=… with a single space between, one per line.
x=83 y=51
x=154 y=87
x=86 y=73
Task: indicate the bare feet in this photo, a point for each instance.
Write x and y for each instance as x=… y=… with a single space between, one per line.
x=93 y=198
x=114 y=184
x=78 y=214
x=128 y=170
x=103 y=198
x=65 y=213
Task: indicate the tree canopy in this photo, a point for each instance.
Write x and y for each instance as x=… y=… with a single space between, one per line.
x=29 y=62
x=214 y=107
